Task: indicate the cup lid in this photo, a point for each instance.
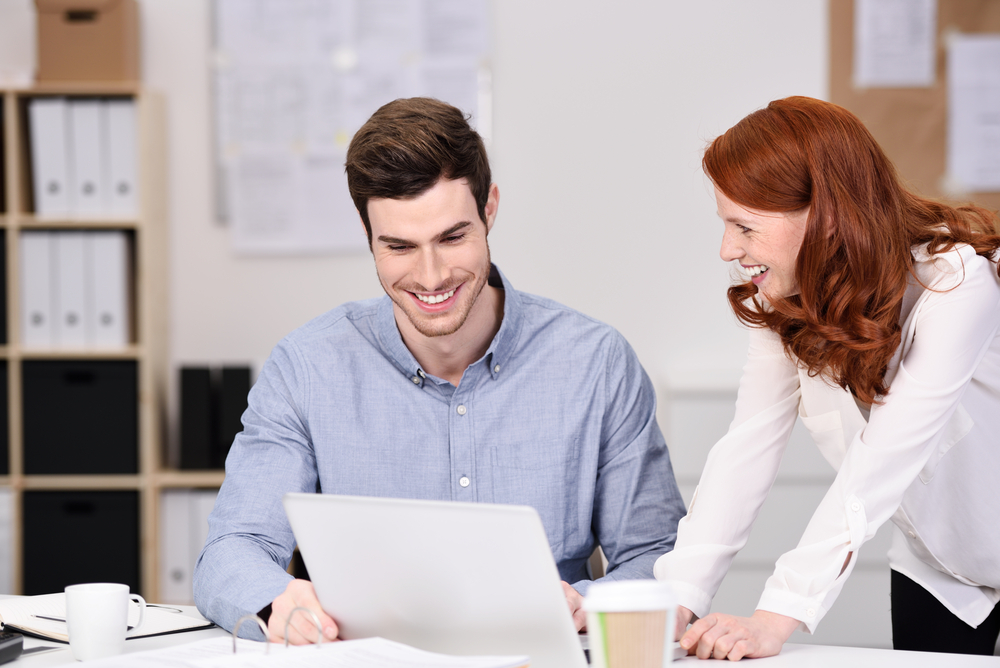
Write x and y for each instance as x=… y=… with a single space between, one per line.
x=628 y=596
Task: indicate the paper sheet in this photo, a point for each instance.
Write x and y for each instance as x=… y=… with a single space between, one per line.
x=368 y=653
x=974 y=113
x=894 y=43
x=295 y=79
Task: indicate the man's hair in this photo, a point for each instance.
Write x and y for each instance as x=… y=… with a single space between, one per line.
x=855 y=259
x=410 y=144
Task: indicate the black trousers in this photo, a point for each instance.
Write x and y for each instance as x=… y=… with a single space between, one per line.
x=920 y=622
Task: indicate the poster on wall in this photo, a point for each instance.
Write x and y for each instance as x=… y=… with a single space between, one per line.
x=973 y=162
x=295 y=79
x=894 y=43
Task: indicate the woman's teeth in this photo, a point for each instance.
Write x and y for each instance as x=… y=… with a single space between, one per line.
x=755 y=270
x=435 y=299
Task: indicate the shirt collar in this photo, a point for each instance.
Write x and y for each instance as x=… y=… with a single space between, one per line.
x=500 y=351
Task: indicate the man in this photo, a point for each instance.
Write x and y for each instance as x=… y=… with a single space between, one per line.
x=455 y=387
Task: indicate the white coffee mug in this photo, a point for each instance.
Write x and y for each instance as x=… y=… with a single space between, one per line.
x=97 y=618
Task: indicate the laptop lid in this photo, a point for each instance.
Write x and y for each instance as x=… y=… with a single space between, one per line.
x=449 y=577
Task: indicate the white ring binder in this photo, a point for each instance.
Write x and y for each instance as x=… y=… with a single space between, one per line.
x=260 y=623
x=319 y=627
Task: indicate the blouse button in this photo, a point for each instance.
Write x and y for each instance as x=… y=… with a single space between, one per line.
x=464 y=481
x=810 y=612
x=912 y=535
x=855 y=506
x=461 y=410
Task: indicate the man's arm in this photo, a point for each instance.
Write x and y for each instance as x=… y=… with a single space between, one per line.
x=241 y=569
x=636 y=503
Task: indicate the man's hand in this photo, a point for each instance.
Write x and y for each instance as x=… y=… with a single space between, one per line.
x=575 y=602
x=302 y=630
x=719 y=636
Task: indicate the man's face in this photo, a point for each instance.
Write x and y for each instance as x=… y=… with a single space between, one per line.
x=431 y=254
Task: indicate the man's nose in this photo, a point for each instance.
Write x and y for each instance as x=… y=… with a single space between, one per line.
x=432 y=273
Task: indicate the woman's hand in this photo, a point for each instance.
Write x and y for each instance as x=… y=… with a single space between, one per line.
x=719 y=636
x=684 y=617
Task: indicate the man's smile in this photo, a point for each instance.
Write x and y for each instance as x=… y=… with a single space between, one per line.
x=436 y=301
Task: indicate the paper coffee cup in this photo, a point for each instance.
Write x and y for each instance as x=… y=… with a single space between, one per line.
x=630 y=624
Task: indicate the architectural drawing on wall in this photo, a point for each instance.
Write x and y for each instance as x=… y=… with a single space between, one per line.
x=894 y=43
x=973 y=113
x=294 y=79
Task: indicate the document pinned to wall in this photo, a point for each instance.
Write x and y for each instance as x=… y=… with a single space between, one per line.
x=894 y=43
x=974 y=113
x=295 y=79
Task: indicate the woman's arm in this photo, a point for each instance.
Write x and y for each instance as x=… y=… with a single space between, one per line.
x=738 y=474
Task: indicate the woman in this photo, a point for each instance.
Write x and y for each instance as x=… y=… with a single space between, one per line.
x=874 y=317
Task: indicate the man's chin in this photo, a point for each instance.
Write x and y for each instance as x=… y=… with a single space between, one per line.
x=435 y=327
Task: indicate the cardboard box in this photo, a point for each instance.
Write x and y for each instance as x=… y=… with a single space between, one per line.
x=88 y=40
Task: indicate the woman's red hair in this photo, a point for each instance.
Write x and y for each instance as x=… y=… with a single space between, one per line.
x=855 y=258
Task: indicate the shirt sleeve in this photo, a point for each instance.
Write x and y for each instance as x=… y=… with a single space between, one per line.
x=241 y=569
x=636 y=500
x=738 y=474
x=953 y=328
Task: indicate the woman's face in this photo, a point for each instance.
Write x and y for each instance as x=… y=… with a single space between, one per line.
x=766 y=244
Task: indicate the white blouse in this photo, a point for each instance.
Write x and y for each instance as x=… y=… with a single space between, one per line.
x=928 y=458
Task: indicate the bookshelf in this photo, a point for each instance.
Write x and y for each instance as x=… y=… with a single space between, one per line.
x=146 y=235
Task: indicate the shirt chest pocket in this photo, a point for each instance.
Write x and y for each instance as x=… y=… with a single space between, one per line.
x=538 y=474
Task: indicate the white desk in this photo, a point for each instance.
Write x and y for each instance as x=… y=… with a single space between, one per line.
x=824 y=656
x=792 y=656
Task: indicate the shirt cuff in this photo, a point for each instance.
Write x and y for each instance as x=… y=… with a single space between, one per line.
x=808 y=611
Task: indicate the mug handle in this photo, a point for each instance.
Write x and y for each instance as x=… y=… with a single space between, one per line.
x=142 y=612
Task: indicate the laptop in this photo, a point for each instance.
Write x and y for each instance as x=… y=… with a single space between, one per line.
x=449 y=577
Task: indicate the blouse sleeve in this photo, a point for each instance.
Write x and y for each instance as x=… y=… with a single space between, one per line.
x=738 y=474
x=953 y=326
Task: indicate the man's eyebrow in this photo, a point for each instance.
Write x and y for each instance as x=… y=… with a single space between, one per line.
x=396 y=241
x=451 y=230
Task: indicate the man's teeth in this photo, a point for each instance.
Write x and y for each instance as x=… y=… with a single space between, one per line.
x=435 y=299
x=755 y=270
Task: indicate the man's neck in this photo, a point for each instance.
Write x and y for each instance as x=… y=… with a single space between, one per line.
x=449 y=356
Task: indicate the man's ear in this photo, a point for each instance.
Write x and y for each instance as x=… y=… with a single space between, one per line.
x=492 y=204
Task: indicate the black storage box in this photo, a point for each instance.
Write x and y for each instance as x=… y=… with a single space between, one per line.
x=80 y=417
x=80 y=536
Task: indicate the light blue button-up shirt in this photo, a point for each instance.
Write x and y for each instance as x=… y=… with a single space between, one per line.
x=558 y=414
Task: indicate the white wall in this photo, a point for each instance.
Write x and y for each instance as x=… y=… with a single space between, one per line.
x=601 y=111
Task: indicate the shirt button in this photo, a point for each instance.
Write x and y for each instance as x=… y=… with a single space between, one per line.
x=810 y=613
x=416 y=381
x=855 y=506
x=464 y=481
x=496 y=369
x=912 y=535
x=461 y=411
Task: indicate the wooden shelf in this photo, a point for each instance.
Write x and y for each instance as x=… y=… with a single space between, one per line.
x=149 y=241
x=129 y=353
x=87 y=88
x=169 y=478
x=29 y=221
x=81 y=482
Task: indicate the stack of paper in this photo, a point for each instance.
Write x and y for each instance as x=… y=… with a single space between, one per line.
x=43 y=617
